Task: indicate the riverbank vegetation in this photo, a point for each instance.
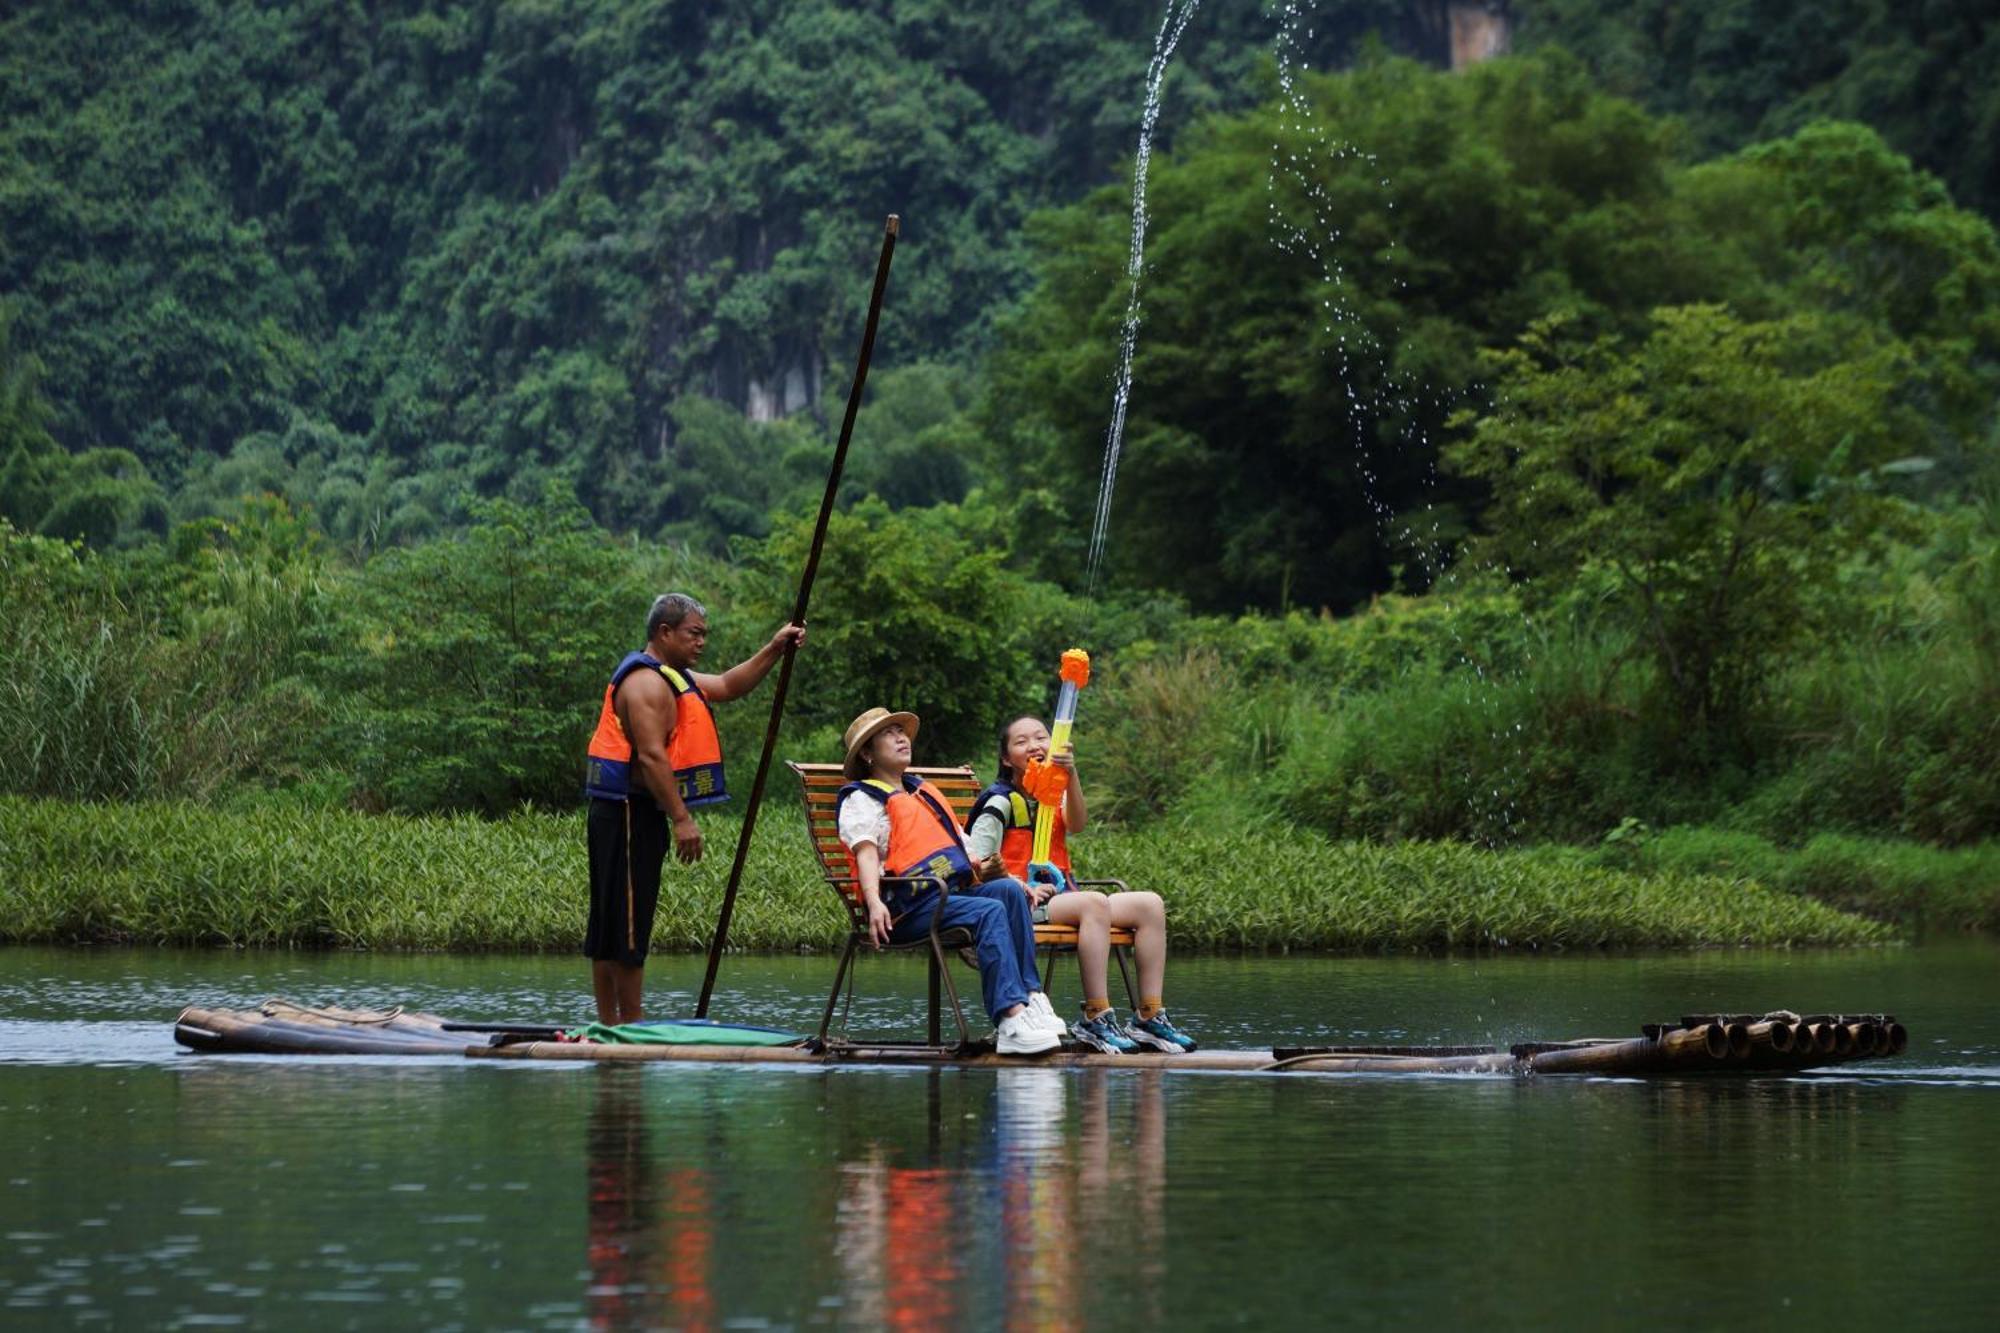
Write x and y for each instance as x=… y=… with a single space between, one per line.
x=178 y=873
x=1537 y=524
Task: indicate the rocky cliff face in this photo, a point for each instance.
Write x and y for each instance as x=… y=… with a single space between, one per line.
x=1477 y=30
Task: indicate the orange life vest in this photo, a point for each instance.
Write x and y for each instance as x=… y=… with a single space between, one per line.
x=694 y=750
x=923 y=837
x=1017 y=817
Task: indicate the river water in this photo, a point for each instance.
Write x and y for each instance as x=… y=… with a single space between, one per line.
x=148 y=1187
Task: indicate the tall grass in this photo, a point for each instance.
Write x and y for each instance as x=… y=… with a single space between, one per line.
x=1896 y=738
x=1927 y=889
x=179 y=873
x=110 y=688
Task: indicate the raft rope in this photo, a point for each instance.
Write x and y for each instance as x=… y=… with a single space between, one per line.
x=275 y=1006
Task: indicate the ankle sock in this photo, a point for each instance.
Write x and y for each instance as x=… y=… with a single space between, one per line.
x=1095 y=1007
x=1150 y=1006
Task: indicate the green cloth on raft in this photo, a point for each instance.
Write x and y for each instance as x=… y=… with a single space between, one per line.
x=684 y=1034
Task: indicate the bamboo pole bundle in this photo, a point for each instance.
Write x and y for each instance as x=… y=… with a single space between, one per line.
x=1671 y=1050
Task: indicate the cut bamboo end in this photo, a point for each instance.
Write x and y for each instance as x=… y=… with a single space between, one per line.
x=1770 y=1035
x=1705 y=1044
x=1898 y=1037
x=895 y=224
x=1845 y=1038
x=1738 y=1037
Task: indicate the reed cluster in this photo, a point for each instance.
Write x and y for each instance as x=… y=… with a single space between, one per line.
x=181 y=873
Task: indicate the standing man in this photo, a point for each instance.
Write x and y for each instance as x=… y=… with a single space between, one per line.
x=655 y=755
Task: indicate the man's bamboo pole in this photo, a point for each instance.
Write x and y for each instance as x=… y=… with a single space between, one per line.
x=716 y=945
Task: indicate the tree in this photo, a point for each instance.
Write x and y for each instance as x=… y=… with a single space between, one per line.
x=1710 y=476
x=101 y=496
x=907 y=614
x=1925 y=74
x=474 y=666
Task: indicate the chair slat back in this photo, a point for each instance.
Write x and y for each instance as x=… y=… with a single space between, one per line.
x=820 y=785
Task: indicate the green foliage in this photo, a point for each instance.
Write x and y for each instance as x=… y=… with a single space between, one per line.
x=906 y=613
x=470 y=285
x=1923 y=74
x=1291 y=398
x=1166 y=709
x=1877 y=724
x=1284 y=406
x=361 y=502
x=1923 y=888
x=1559 y=749
x=457 y=246
x=164 y=673
x=1709 y=475
x=1898 y=739
x=100 y=496
x=914 y=444
x=181 y=874
x=472 y=668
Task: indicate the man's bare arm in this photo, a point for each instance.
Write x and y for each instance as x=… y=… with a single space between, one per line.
x=744 y=677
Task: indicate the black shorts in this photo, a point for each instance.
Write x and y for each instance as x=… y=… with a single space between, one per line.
x=628 y=844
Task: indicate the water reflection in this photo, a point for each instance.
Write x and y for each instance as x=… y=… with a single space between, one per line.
x=154 y=1189
x=1083 y=1199
x=893 y=1240
x=650 y=1240
x=981 y=1198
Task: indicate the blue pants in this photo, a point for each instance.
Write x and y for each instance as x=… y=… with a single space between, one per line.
x=997 y=914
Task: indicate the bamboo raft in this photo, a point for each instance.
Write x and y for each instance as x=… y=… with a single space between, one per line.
x=1775 y=1043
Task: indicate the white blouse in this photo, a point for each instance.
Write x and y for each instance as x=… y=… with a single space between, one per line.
x=863 y=819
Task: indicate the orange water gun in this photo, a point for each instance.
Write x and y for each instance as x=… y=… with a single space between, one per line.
x=1047 y=782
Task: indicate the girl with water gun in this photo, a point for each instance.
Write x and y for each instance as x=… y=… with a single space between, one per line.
x=1025 y=818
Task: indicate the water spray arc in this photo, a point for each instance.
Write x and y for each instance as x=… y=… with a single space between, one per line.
x=1304 y=156
x=1171 y=27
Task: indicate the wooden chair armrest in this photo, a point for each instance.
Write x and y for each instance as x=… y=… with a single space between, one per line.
x=944 y=893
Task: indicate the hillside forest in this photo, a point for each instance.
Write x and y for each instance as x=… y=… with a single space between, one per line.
x=1593 y=447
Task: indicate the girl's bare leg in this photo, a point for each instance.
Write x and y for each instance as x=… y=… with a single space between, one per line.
x=1147 y=917
x=1090 y=913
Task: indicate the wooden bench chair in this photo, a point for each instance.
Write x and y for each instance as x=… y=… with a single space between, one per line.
x=820 y=786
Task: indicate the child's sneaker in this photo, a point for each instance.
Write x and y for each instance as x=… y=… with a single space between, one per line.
x=1159 y=1033
x=1102 y=1034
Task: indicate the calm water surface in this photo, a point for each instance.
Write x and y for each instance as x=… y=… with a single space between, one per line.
x=151 y=1188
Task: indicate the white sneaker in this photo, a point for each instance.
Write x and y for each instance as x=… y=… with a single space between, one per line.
x=1043 y=1014
x=1018 y=1036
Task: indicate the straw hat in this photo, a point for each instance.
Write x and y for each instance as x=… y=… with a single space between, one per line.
x=862 y=730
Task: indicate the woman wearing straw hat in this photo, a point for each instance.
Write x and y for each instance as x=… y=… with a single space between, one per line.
x=898 y=826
